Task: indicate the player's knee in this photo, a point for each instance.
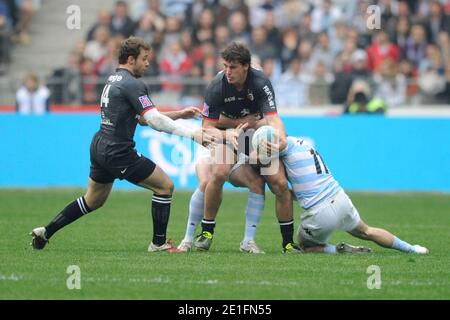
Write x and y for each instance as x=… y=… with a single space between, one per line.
x=256 y=185
x=96 y=203
x=279 y=188
x=220 y=176
x=202 y=185
x=168 y=188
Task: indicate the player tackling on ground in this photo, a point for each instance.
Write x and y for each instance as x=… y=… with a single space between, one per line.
x=124 y=103
x=326 y=206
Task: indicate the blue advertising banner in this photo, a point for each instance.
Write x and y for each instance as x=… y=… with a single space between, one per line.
x=372 y=153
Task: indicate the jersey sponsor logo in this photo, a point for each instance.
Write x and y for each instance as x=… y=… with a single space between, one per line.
x=269 y=95
x=123 y=171
x=250 y=95
x=145 y=101
x=245 y=112
x=229 y=99
x=114 y=78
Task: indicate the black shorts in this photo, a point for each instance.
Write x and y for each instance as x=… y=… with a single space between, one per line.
x=112 y=160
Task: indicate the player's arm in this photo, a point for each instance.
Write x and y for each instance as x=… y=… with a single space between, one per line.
x=187 y=113
x=137 y=95
x=266 y=102
x=227 y=123
x=274 y=120
x=212 y=126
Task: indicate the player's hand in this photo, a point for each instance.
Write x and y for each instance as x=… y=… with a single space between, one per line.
x=205 y=136
x=191 y=113
x=251 y=120
x=268 y=150
x=232 y=135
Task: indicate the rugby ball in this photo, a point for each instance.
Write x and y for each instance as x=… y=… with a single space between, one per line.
x=262 y=134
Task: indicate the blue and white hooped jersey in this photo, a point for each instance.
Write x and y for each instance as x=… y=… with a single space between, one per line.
x=310 y=178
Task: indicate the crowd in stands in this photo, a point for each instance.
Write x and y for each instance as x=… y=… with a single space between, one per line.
x=316 y=52
x=15 y=19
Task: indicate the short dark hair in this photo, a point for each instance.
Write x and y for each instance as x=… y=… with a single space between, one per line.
x=236 y=51
x=131 y=47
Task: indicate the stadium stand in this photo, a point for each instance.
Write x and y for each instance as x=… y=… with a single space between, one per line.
x=320 y=47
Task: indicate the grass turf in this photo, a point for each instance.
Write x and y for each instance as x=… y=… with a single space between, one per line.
x=110 y=247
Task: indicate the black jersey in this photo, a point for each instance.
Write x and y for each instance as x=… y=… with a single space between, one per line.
x=123 y=99
x=257 y=96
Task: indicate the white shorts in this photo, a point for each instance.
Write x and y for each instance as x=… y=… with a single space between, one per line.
x=318 y=223
x=204 y=155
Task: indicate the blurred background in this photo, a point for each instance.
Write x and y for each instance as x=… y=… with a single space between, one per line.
x=324 y=57
x=317 y=53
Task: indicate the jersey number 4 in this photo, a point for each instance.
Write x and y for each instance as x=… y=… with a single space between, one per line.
x=318 y=162
x=104 y=99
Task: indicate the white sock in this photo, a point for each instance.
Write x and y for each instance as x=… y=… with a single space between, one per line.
x=329 y=248
x=401 y=245
x=196 y=208
x=253 y=213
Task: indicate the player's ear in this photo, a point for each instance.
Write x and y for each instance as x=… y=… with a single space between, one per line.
x=131 y=60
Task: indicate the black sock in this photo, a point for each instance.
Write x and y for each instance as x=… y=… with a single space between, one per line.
x=160 y=215
x=69 y=214
x=208 y=225
x=287 y=231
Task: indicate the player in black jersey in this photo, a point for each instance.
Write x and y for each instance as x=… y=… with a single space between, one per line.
x=124 y=103
x=236 y=92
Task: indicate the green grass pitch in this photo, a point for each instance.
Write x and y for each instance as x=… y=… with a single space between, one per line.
x=110 y=248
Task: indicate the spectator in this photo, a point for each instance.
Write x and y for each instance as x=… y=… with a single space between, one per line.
x=390 y=84
x=322 y=52
x=432 y=74
x=401 y=34
x=171 y=32
x=103 y=20
x=239 y=28
x=359 y=101
x=97 y=48
x=121 y=23
x=416 y=45
x=27 y=10
x=273 y=33
x=228 y=8
x=304 y=30
x=381 y=49
x=288 y=47
x=5 y=33
x=148 y=25
x=319 y=87
x=436 y=22
x=222 y=37
x=341 y=84
x=204 y=29
x=260 y=46
x=174 y=66
x=292 y=88
x=107 y=63
x=360 y=69
x=406 y=68
x=324 y=16
x=290 y=12
x=66 y=81
x=89 y=81
x=32 y=98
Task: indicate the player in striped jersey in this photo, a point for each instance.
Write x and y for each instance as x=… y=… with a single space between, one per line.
x=327 y=207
